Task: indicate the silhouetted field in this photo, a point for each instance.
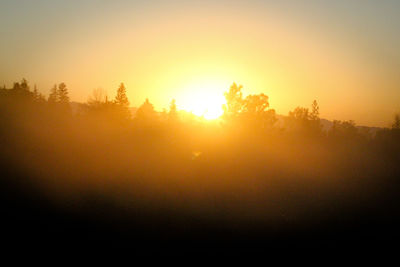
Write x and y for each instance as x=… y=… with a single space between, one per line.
x=99 y=174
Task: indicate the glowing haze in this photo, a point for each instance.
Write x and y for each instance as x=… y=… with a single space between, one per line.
x=342 y=53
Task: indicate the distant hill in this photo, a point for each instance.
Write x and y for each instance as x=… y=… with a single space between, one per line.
x=327 y=125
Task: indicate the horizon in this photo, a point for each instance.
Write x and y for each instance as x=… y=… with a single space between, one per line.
x=180 y=109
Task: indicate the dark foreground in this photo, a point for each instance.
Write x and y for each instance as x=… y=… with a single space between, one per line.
x=28 y=216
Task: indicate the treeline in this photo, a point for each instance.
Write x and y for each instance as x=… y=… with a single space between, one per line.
x=245 y=116
x=251 y=113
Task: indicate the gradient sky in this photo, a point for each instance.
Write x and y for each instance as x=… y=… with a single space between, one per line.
x=345 y=54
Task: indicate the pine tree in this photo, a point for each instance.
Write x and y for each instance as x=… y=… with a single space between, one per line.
x=122 y=102
x=38 y=97
x=315 y=122
x=62 y=94
x=314 y=115
x=146 y=112
x=53 y=96
x=35 y=92
x=121 y=99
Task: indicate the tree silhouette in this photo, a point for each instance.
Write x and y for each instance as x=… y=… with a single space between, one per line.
x=301 y=120
x=255 y=110
x=97 y=98
x=62 y=94
x=121 y=99
x=314 y=115
x=346 y=130
x=252 y=111
x=234 y=101
x=314 y=120
x=297 y=121
x=16 y=86
x=53 y=96
x=22 y=89
x=255 y=104
x=38 y=97
x=101 y=109
x=24 y=85
x=146 y=112
x=396 y=123
x=35 y=92
x=122 y=102
x=299 y=114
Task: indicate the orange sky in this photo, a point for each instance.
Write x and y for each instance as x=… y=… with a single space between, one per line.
x=345 y=57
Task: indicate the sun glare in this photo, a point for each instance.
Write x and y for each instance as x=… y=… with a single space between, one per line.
x=203 y=100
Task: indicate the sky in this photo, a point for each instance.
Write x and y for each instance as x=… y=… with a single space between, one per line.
x=342 y=53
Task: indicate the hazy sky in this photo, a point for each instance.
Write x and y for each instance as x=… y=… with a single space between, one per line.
x=344 y=53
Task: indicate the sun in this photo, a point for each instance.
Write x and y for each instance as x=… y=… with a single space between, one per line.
x=206 y=105
x=203 y=100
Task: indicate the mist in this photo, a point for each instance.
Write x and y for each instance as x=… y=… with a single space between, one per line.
x=95 y=171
